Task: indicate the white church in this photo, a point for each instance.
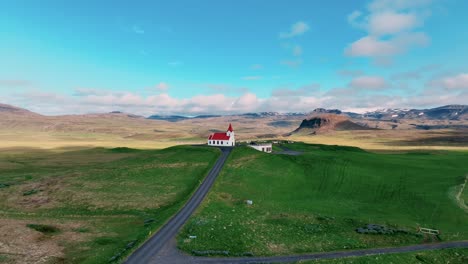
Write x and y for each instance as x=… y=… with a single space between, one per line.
x=223 y=139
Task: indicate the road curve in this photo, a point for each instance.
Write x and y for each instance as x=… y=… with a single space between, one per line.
x=152 y=247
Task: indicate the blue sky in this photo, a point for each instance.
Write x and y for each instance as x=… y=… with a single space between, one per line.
x=198 y=57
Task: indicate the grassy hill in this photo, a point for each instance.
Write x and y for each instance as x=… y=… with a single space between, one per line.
x=89 y=206
x=315 y=202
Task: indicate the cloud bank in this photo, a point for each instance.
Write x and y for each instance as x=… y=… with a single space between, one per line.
x=391 y=27
x=363 y=92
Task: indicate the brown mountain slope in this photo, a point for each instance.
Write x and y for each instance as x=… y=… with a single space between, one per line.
x=20 y=128
x=13 y=110
x=326 y=123
x=23 y=126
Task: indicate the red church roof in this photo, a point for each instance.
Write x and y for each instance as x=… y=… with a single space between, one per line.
x=219 y=136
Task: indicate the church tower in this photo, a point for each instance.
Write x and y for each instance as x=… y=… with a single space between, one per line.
x=230 y=131
x=230 y=134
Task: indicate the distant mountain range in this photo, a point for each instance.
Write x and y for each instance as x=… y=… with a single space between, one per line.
x=175 y=118
x=250 y=125
x=448 y=112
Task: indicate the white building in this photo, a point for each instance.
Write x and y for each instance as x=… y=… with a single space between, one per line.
x=223 y=139
x=265 y=147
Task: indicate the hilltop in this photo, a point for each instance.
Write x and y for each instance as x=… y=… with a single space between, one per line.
x=324 y=123
x=6 y=109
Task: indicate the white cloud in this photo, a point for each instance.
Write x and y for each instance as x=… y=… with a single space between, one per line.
x=121 y=100
x=361 y=93
x=297 y=29
x=391 y=23
x=459 y=81
x=246 y=102
x=302 y=99
x=390 y=26
x=371 y=46
x=368 y=82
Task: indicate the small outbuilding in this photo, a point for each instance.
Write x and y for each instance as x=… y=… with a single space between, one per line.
x=264 y=147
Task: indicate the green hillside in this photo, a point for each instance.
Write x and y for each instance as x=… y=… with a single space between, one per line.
x=314 y=202
x=452 y=256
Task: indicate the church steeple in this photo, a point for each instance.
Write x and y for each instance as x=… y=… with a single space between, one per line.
x=230 y=131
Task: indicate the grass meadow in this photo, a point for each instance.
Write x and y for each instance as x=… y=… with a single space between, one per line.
x=92 y=205
x=452 y=256
x=314 y=202
x=391 y=140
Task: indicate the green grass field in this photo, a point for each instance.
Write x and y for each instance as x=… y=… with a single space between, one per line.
x=315 y=201
x=88 y=206
x=448 y=256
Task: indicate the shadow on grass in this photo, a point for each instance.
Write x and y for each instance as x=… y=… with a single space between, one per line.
x=457 y=138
